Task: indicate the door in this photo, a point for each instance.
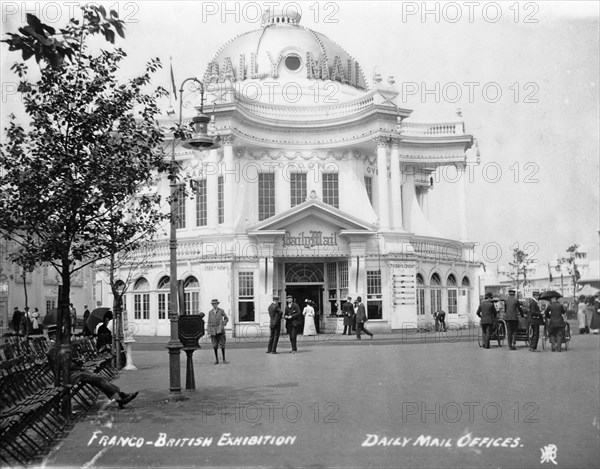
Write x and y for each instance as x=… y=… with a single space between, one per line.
x=301 y=293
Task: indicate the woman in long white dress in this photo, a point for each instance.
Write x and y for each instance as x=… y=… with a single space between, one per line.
x=309 y=319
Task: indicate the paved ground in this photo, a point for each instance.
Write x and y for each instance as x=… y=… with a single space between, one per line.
x=390 y=402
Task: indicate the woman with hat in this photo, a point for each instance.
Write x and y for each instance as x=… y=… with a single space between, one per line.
x=309 y=319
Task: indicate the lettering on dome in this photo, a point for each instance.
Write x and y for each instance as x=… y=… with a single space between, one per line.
x=344 y=71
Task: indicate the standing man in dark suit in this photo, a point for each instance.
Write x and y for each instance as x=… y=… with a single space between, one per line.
x=275 y=325
x=511 y=317
x=293 y=317
x=361 y=318
x=348 y=310
x=487 y=312
x=556 y=313
x=534 y=320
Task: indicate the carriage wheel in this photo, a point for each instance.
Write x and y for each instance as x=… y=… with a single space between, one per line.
x=501 y=333
x=529 y=336
x=544 y=339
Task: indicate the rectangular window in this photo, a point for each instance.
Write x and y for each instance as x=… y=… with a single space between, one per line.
x=330 y=189
x=374 y=302
x=332 y=274
x=369 y=188
x=180 y=206
x=246 y=296
x=192 y=302
x=343 y=276
x=220 y=200
x=201 y=216
x=141 y=306
x=50 y=304
x=164 y=305
x=436 y=300
x=297 y=188
x=266 y=195
x=420 y=301
x=452 y=301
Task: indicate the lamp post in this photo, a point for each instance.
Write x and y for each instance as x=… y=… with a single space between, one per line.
x=199 y=140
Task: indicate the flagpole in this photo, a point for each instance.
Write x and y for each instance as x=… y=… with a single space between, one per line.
x=171 y=78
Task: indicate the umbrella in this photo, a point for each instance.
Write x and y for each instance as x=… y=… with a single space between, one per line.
x=97 y=316
x=549 y=294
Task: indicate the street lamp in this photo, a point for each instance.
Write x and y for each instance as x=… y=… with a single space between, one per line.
x=199 y=140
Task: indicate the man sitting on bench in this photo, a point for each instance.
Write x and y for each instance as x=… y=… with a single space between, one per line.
x=111 y=390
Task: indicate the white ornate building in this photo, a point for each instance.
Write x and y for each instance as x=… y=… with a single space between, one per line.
x=319 y=189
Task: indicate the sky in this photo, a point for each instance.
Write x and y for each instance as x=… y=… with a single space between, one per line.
x=524 y=74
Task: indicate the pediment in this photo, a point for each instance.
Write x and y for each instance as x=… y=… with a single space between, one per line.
x=312 y=213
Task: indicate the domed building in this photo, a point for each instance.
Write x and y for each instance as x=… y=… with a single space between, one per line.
x=319 y=189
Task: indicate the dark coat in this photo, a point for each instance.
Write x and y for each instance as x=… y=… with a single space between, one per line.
x=361 y=314
x=295 y=315
x=348 y=310
x=555 y=313
x=512 y=309
x=534 y=316
x=487 y=312
x=275 y=315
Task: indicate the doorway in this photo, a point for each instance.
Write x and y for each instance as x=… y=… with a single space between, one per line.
x=312 y=292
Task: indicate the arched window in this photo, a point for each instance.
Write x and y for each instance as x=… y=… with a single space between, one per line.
x=420 y=295
x=191 y=288
x=164 y=297
x=452 y=294
x=436 y=293
x=141 y=300
x=466 y=282
x=304 y=273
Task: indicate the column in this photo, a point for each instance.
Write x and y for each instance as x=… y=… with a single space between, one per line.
x=229 y=173
x=382 y=183
x=462 y=205
x=408 y=195
x=396 y=185
x=212 y=219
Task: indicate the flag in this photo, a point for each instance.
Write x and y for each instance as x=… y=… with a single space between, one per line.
x=549 y=272
x=173 y=87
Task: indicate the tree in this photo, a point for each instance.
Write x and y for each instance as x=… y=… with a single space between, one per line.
x=569 y=262
x=72 y=182
x=521 y=260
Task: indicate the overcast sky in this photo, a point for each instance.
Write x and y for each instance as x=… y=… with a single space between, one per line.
x=537 y=184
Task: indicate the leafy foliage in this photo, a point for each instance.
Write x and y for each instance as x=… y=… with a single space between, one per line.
x=77 y=183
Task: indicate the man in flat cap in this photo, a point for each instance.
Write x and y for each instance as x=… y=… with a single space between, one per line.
x=511 y=317
x=275 y=325
x=215 y=326
x=487 y=312
x=293 y=318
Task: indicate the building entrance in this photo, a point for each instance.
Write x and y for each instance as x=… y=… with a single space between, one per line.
x=313 y=292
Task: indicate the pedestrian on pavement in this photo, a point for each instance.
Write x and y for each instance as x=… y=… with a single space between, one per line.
x=355 y=308
x=293 y=318
x=487 y=313
x=35 y=324
x=217 y=320
x=309 y=319
x=511 y=317
x=441 y=318
x=534 y=320
x=274 y=325
x=437 y=321
x=361 y=318
x=581 y=319
x=348 y=311
x=73 y=313
x=86 y=314
x=77 y=374
x=556 y=327
x=17 y=319
x=595 y=322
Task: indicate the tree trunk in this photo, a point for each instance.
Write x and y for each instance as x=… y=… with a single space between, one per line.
x=64 y=322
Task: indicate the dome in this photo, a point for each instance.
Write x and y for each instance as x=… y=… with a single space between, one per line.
x=283 y=62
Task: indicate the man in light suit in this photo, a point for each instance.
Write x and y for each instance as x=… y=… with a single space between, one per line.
x=511 y=317
x=361 y=318
x=275 y=325
x=293 y=318
x=217 y=320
